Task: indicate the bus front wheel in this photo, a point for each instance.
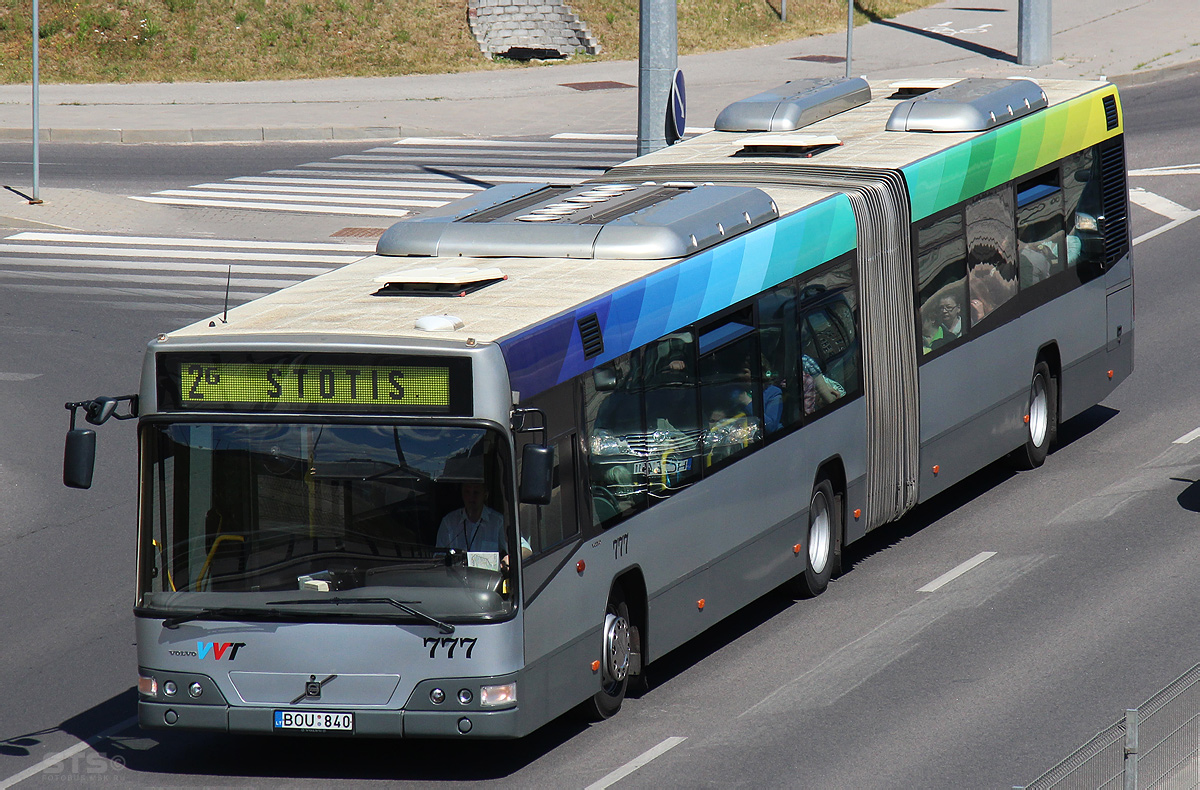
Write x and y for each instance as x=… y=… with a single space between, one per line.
x=822 y=545
x=1041 y=419
x=615 y=661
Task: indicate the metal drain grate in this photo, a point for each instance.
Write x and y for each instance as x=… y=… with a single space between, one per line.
x=358 y=233
x=820 y=58
x=603 y=85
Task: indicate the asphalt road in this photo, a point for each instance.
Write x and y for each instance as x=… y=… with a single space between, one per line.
x=1089 y=606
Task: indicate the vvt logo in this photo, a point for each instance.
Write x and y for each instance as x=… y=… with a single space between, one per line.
x=218 y=649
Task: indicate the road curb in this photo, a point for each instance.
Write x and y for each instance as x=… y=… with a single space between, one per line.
x=1164 y=74
x=277 y=134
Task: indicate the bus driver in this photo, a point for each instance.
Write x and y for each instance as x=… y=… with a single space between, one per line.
x=475 y=526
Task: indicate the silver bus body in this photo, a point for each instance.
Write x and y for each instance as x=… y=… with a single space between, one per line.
x=821 y=248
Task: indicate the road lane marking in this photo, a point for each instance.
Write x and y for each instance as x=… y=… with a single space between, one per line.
x=861 y=660
x=591 y=136
x=1159 y=204
x=18 y=376
x=634 y=764
x=240 y=269
x=458 y=142
x=117 y=252
x=413 y=182
x=1175 y=223
x=954 y=573
x=295 y=208
x=1168 y=170
x=55 y=759
x=304 y=198
x=365 y=191
x=1187 y=437
x=168 y=241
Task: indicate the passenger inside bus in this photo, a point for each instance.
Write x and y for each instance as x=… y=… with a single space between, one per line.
x=819 y=389
x=950 y=316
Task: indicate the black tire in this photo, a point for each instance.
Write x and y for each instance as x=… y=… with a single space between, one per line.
x=822 y=543
x=613 y=680
x=1041 y=419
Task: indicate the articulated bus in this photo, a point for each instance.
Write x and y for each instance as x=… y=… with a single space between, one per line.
x=550 y=433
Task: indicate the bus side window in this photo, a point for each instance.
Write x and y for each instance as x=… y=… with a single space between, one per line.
x=731 y=391
x=1040 y=232
x=829 y=338
x=991 y=260
x=612 y=402
x=1081 y=211
x=780 y=358
x=942 y=281
x=546 y=526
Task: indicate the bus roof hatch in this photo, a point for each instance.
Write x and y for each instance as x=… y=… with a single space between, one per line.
x=971 y=105
x=632 y=221
x=794 y=105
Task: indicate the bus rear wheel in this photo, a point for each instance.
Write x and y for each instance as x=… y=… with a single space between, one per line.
x=1041 y=419
x=615 y=661
x=822 y=547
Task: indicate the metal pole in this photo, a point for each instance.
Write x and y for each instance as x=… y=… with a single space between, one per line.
x=1131 y=749
x=658 y=58
x=1034 y=31
x=849 y=35
x=36 y=198
x=783 y=11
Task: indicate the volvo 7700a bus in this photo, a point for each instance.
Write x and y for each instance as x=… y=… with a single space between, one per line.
x=549 y=433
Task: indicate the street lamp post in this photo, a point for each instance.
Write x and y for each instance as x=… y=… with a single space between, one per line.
x=35 y=197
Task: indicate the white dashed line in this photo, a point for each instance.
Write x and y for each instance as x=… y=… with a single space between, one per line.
x=636 y=763
x=953 y=574
x=1188 y=437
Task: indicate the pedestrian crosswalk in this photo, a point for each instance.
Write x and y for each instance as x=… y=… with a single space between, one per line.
x=189 y=275
x=410 y=175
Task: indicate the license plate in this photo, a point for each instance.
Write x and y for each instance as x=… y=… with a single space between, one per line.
x=314 y=721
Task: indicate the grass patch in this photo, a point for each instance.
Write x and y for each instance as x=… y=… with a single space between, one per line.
x=187 y=40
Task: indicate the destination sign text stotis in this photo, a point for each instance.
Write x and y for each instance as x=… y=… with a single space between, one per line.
x=218 y=383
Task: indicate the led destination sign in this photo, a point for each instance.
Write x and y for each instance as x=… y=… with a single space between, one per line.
x=314 y=383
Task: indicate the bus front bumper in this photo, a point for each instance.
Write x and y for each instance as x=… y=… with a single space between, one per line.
x=367 y=723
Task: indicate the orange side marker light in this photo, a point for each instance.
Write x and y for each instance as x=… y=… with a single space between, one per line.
x=1026 y=418
x=936 y=468
x=579 y=566
x=595 y=666
x=796 y=549
x=857 y=513
x=700 y=604
x=1110 y=374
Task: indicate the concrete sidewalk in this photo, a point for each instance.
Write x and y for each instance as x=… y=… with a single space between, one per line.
x=1127 y=41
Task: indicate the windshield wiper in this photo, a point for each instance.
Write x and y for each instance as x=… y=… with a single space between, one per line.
x=403 y=606
x=221 y=612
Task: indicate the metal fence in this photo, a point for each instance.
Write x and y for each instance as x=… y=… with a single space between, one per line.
x=1154 y=747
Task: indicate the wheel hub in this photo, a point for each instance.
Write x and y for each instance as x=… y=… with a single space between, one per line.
x=819 y=540
x=616 y=648
x=1038 y=412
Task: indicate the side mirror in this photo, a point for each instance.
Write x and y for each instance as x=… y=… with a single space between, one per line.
x=537 y=474
x=605 y=379
x=79 y=458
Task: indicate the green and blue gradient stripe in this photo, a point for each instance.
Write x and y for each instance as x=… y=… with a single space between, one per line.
x=998 y=156
x=681 y=294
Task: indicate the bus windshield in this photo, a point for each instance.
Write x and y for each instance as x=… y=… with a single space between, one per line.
x=325 y=520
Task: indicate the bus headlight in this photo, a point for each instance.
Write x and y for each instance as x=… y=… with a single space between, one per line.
x=494 y=696
x=1086 y=222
